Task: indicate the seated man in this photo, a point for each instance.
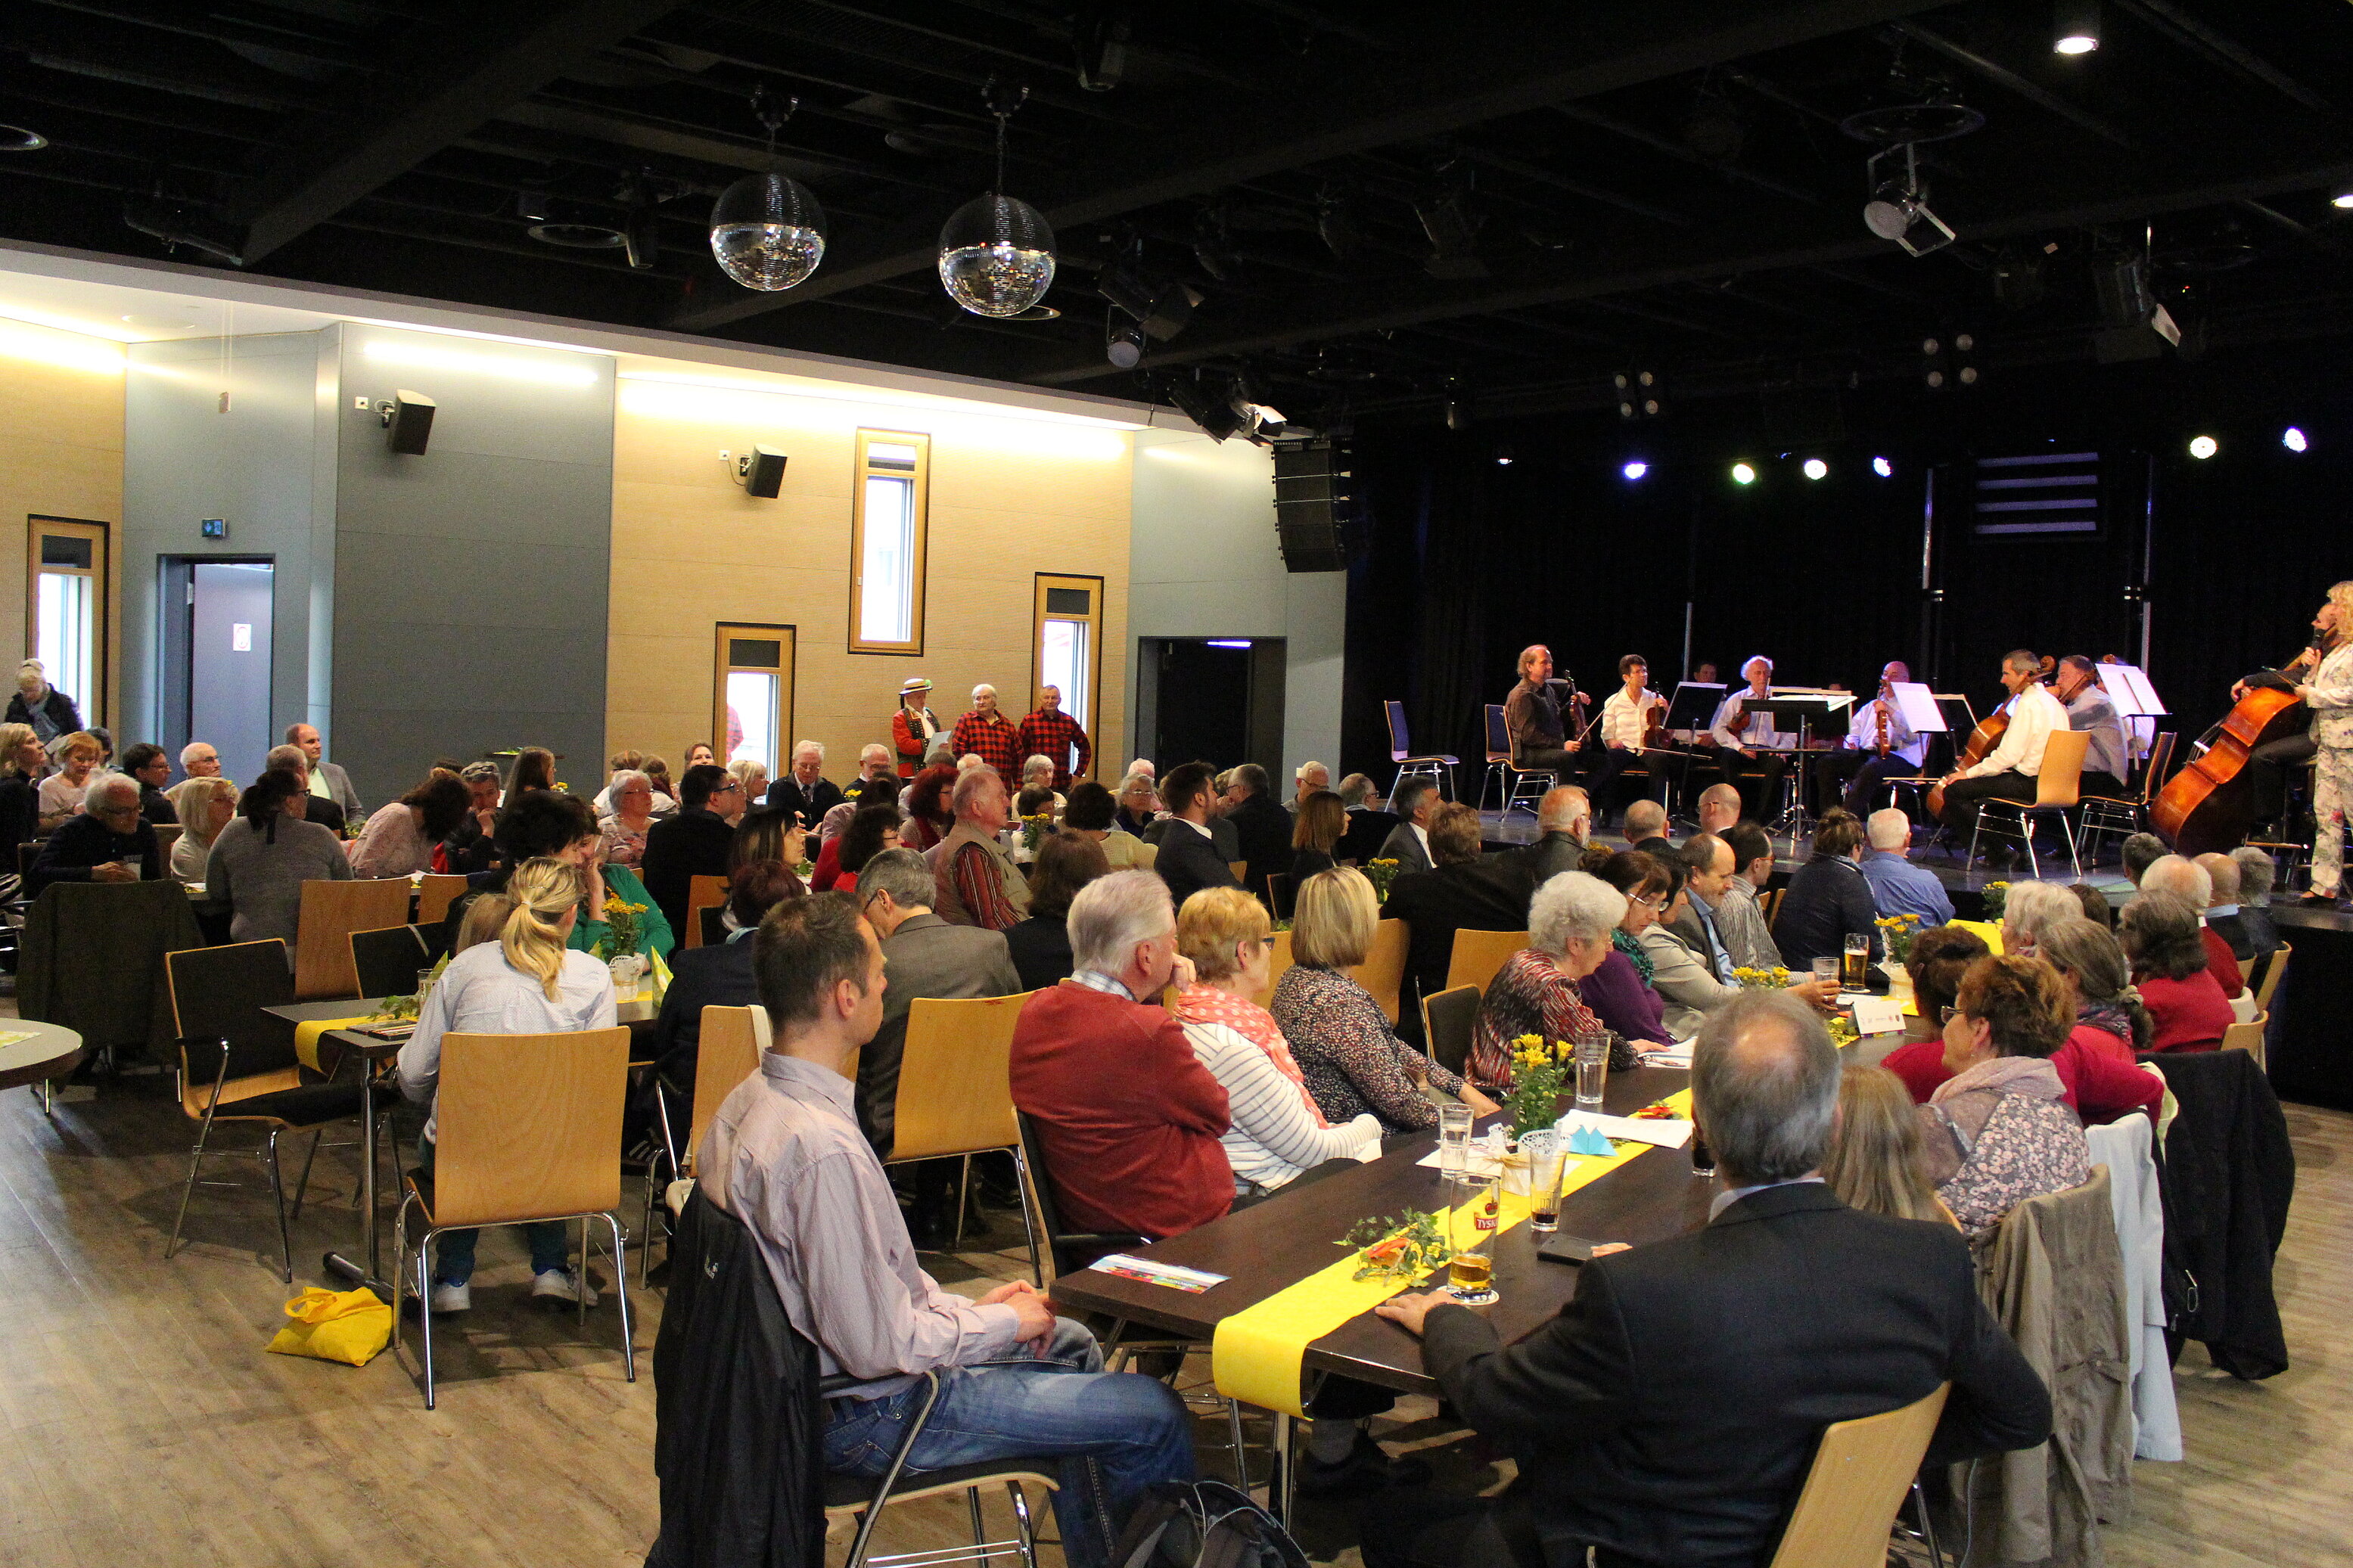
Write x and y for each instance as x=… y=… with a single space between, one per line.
x=2255 y=872
x=2189 y=880
x=1408 y=842
x=105 y=841
x=1465 y=890
x=804 y=793
x=979 y=885
x=1262 y=826
x=1719 y=808
x=693 y=843
x=1128 y=1121
x=718 y=976
x=2222 y=916
x=1897 y=886
x=877 y=776
x=1564 y=828
x=1641 y=1427
x=1646 y=829
x=784 y=1155
x=1739 y=914
x=323 y=809
x=1191 y=857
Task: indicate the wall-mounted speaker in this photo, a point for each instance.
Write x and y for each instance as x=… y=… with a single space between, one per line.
x=408 y=422
x=761 y=472
x=1311 y=498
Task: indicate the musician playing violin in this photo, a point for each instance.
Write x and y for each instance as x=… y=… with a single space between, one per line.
x=2010 y=770
x=2329 y=692
x=1738 y=737
x=1629 y=732
x=2089 y=709
x=1879 y=745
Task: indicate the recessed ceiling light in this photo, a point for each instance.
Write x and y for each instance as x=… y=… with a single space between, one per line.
x=2294 y=439
x=1883 y=468
x=1635 y=470
x=1742 y=474
x=2202 y=446
x=1816 y=468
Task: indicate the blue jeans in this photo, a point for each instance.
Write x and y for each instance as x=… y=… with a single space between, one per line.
x=1115 y=1433
x=453 y=1251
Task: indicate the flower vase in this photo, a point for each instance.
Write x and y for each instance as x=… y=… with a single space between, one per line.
x=628 y=970
x=1515 y=1172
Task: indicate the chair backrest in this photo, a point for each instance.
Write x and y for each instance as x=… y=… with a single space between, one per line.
x=1498 y=734
x=1860 y=1475
x=330 y=912
x=435 y=895
x=2246 y=967
x=2272 y=973
x=1383 y=971
x=529 y=1126
x=1278 y=959
x=386 y=961
x=1772 y=901
x=167 y=835
x=1448 y=1020
x=2160 y=754
x=714 y=922
x=2061 y=779
x=726 y=1054
x=1239 y=869
x=1478 y=954
x=955 y=1086
x=701 y=893
x=1279 y=894
x=218 y=995
x=2249 y=1037
x=1400 y=742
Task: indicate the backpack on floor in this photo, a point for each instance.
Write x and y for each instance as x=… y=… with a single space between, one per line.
x=1204 y=1525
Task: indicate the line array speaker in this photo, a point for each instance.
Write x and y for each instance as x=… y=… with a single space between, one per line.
x=1311 y=502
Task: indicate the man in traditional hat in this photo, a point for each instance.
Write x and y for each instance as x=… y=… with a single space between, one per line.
x=912 y=727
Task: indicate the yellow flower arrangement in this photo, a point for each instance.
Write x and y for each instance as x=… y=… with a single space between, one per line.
x=1539 y=1069
x=1381 y=873
x=623 y=930
x=1773 y=979
x=1897 y=931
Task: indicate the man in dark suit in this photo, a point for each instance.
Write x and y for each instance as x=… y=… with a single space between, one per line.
x=1261 y=826
x=1465 y=891
x=878 y=778
x=1646 y=1430
x=693 y=843
x=1189 y=857
x=1565 y=826
x=1408 y=842
x=804 y=791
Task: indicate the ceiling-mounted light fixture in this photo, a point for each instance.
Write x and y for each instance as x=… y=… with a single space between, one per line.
x=579 y=236
x=2202 y=446
x=2294 y=439
x=997 y=253
x=1098 y=39
x=1160 y=313
x=1215 y=419
x=1448 y=218
x=1635 y=470
x=2076 y=29
x=1898 y=208
x=18 y=138
x=766 y=231
x=2341 y=199
x=1817 y=470
x=1883 y=468
x=1742 y=474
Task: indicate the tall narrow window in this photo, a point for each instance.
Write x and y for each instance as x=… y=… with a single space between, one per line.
x=751 y=700
x=65 y=609
x=1067 y=640
x=887 y=538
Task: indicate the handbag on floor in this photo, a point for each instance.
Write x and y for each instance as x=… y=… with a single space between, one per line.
x=349 y=1326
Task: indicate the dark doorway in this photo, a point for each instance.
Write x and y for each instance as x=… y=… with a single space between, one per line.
x=1212 y=699
x=216 y=659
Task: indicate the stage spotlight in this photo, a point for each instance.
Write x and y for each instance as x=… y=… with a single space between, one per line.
x=1817 y=470
x=1502 y=456
x=2075 y=27
x=1883 y=468
x=1742 y=474
x=2342 y=199
x=1635 y=470
x=2293 y=440
x=2202 y=448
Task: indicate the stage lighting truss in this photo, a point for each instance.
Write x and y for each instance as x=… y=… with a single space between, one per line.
x=1898 y=208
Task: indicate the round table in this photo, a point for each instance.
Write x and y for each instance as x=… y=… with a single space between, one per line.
x=53 y=1051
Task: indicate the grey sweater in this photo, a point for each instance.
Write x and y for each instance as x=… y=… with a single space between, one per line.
x=261 y=882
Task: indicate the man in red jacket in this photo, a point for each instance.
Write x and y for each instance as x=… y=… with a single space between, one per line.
x=1127 y=1119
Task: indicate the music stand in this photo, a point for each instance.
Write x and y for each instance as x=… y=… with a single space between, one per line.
x=2135 y=698
x=1803 y=706
x=1690 y=713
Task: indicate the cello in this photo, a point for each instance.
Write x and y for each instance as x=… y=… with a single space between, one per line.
x=1982 y=741
x=2207 y=807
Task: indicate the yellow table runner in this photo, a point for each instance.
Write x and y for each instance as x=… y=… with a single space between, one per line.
x=307 y=1034
x=1259 y=1353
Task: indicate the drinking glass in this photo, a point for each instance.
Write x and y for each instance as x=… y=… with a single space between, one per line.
x=1592 y=1069
x=1857 y=974
x=1703 y=1157
x=424 y=986
x=1453 y=1141
x=1544 y=1153
x=1471 y=1273
x=1827 y=969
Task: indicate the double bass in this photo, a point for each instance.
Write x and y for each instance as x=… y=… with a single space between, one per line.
x=2207 y=807
x=1983 y=740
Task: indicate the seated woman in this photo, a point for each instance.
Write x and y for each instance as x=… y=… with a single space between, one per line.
x=399 y=839
x=105 y=841
x=1940 y=955
x=1620 y=992
x=1321 y=820
x=486 y=916
x=1040 y=942
x=204 y=805
x=717 y=975
x=259 y=862
x=150 y=766
x=1036 y=800
x=1277 y=1133
x=1689 y=990
x=632 y=817
x=23 y=760
x=1092 y=814
x=1352 y=1061
x=77 y=756
x=1999 y=1132
x=1876 y=1160
x=764 y=835
x=665 y=792
x=753 y=775
x=929 y=820
x=1536 y=990
x=1829 y=899
x=534 y=768
x=549 y=825
x=1139 y=803
x=525 y=984
x=872 y=828
x=1038 y=774
x=2171 y=970
x=2031 y=906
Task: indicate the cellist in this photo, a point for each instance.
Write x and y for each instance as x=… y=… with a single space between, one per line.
x=2329 y=692
x=2268 y=765
x=2009 y=771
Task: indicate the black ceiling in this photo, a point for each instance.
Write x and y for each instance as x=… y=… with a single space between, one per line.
x=1638 y=184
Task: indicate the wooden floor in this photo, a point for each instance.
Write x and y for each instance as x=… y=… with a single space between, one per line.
x=141 y=1420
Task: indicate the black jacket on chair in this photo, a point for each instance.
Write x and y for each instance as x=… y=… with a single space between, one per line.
x=1188 y=862
x=1672 y=1410
x=718 y=976
x=2229 y=1176
x=739 y=1429
x=679 y=849
x=1484 y=894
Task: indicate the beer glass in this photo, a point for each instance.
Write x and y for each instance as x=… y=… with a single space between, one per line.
x=1856 y=976
x=1543 y=1151
x=1471 y=1273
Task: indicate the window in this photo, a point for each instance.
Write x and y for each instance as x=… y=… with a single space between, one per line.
x=752 y=699
x=65 y=608
x=890 y=519
x=1068 y=642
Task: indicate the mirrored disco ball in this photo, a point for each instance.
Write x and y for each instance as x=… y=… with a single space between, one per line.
x=767 y=232
x=996 y=256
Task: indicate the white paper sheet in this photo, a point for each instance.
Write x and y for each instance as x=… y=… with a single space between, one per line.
x=1664 y=1134
x=1918 y=706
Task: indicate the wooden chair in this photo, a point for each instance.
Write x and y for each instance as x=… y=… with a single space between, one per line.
x=233 y=1067
x=2272 y=973
x=1383 y=971
x=330 y=912
x=435 y=895
x=2246 y=968
x=1278 y=959
x=527 y=1127
x=1771 y=899
x=1241 y=869
x=2121 y=817
x=2055 y=793
x=956 y=1091
x=1279 y=894
x=1521 y=790
x=701 y=893
x=1437 y=768
x=2249 y=1037
x=1860 y=1475
x=386 y=962
x=726 y=1052
x=1448 y=1020
x=1478 y=954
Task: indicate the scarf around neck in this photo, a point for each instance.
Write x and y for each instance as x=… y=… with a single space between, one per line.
x=1634 y=953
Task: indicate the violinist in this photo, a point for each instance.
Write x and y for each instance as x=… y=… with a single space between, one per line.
x=2088 y=708
x=2268 y=765
x=1630 y=729
x=1532 y=714
x=1738 y=737
x=1879 y=746
x=2329 y=692
x=2010 y=770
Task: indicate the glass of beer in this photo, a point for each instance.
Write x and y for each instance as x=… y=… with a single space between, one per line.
x=1545 y=1158
x=1471 y=1273
x=1592 y=1070
x=1856 y=976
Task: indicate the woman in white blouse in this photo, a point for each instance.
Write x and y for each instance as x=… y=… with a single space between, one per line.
x=527 y=982
x=1276 y=1134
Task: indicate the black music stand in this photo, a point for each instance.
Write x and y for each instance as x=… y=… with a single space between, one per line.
x=1692 y=707
x=1816 y=708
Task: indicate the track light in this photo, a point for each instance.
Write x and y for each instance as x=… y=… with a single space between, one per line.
x=2341 y=199
x=2293 y=440
x=1124 y=347
x=2202 y=446
x=2076 y=29
x=1635 y=470
x=1883 y=468
x=1742 y=474
x=1216 y=419
x=1817 y=470
x=1161 y=312
x=1898 y=208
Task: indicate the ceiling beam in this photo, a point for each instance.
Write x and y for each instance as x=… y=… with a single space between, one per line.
x=472 y=73
x=1200 y=144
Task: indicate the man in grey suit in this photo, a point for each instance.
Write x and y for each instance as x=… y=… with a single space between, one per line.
x=1408 y=842
x=923 y=956
x=327 y=781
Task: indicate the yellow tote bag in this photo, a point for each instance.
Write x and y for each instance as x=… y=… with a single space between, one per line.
x=350 y=1326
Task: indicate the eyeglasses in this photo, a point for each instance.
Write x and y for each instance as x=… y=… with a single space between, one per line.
x=1945 y=1015
x=1658 y=902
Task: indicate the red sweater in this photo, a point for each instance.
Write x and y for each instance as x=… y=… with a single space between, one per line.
x=2103 y=1081
x=2191 y=1015
x=2221 y=963
x=1128 y=1119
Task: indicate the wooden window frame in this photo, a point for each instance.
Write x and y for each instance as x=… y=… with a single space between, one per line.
x=721 y=667
x=920 y=544
x=101 y=572
x=1042 y=581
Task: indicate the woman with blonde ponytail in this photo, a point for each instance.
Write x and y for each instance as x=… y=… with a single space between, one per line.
x=525 y=982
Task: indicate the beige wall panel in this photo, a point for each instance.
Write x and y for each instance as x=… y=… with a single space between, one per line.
x=60 y=455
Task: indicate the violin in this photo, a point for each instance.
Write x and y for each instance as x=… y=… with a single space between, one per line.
x=1983 y=740
x=2207 y=807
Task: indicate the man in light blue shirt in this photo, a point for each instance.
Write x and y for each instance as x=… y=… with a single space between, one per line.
x=1897 y=886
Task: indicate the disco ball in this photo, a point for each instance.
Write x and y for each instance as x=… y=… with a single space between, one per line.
x=767 y=232
x=996 y=256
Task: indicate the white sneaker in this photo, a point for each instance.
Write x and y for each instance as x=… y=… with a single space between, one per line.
x=452 y=1298
x=561 y=1285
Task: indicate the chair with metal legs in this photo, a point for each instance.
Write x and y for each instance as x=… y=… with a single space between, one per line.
x=1437 y=769
x=955 y=1091
x=2107 y=813
x=1855 y=1490
x=2056 y=788
x=1520 y=789
x=846 y=1496
x=726 y=1051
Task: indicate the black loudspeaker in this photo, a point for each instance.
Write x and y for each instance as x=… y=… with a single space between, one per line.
x=762 y=471
x=1311 y=498
x=409 y=422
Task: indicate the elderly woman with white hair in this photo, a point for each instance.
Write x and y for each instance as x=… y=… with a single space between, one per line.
x=1038 y=774
x=2194 y=885
x=2029 y=909
x=632 y=817
x=46 y=711
x=1139 y=804
x=1536 y=992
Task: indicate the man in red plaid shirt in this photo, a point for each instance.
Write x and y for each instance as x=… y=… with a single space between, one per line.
x=1051 y=733
x=989 y=735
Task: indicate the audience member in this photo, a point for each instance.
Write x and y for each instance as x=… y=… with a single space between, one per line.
x=1740 y=910
x=2174 y=974
x=1352 y=1061
x=1093 y=816
x=2255 y=872
x=205 y=805
x=326 y=781
x=2190 y=881
x=1127 y=1121
x=1040 y=942
x=553 y=824
x=1998 y=1130
x=259 y=862
x=699 y=755
x=1646 y=1432
x=2223 y=915
x=322 y=811
x=628 y=760
x=1877 y=1161
x=1462 y=891
x=1707 y=862
x=631 y=818
x=198 y=760
x=1189 y=859
x=768 y=836
x=151 y=768
x=695 y=842
x=1829 y=899
x=716 y=974
x=1645 y=828
x=105 y=841
x=1939 y=956
x=534 y=768
x=914 y=728
x=2031 y=906
x=1536 y=992
x=1356 y=791
x=78 y=755
x=753 y=775
x=979 y=885
x=1306 y=779
x=878 y=778
x=1408 y=842
x=22 y=762
x=1719 y=808
x=1038 y=796
x=2094 y=904
x=873 y=827
x=1262 y=824
x=986 y=733
x=1897 y=886
x=398 y=841
x=784 y=1156
x=527 y=985
x=485 y=917
x=805 y=791
x=1619 y=991
x=1318 y=821
x=1564 y=828
x=472 y=849
x=1053 y=734
x=1139 y=804
x=665 y=792
x=1691 y=983
x=2138 y=852
x=39 y=706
